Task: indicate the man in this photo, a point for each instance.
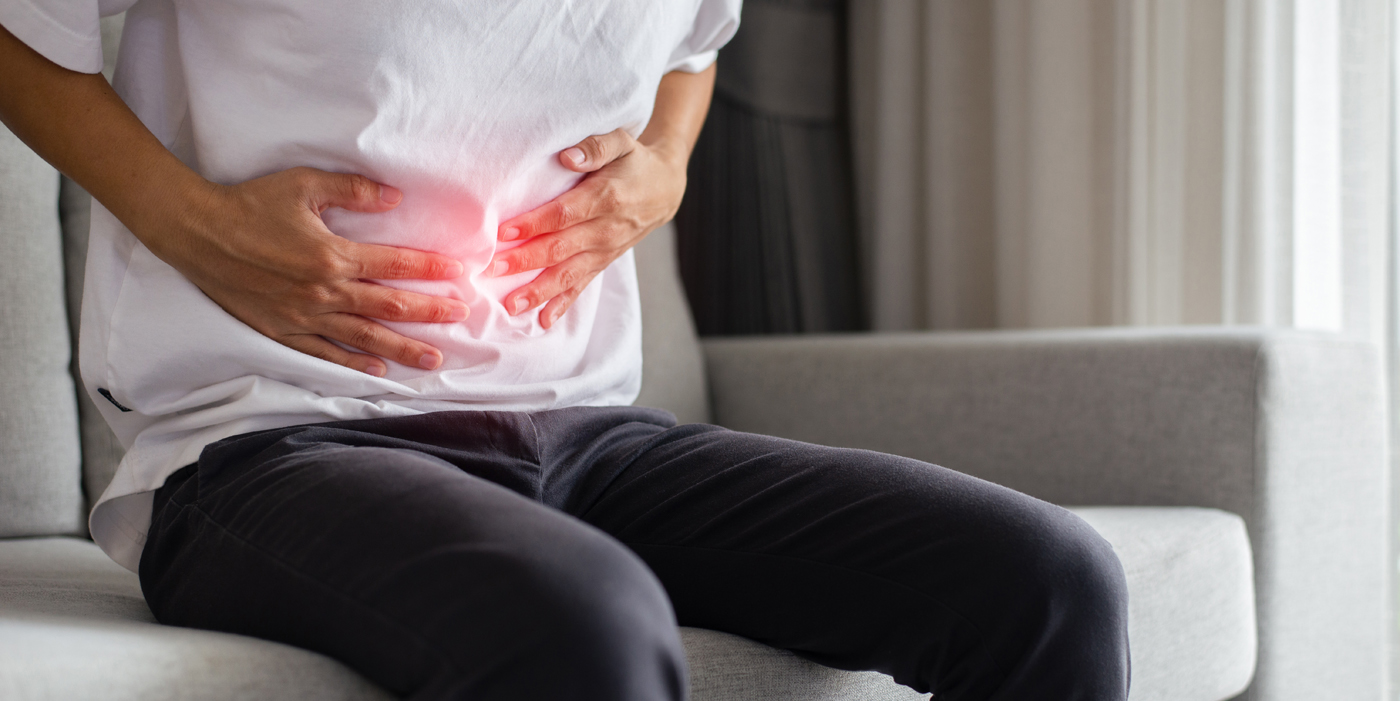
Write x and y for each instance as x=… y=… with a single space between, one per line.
x=360 y=302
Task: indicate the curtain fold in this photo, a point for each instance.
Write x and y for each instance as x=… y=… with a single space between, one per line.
x=1050 y=163
x=766 y=233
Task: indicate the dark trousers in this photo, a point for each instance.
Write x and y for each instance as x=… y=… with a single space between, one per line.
x=521 y=557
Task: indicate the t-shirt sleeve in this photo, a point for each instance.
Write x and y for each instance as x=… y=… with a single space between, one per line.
x=715 y=24
x=67 y=32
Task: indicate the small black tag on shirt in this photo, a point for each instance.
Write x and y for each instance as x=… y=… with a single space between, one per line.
x=108 y=396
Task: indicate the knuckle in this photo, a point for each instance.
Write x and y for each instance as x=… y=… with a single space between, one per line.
x=560 y=213
x=320 y=295
x=568 y=277
x=556 y=249
x=362 y=189
x=399 y=265
x=300 y=174
x=408 y=353
x=611 y=197
x=362 y=335
x=595 y=147
x=394 y=308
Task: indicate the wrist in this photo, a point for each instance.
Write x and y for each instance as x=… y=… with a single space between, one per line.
x=169 y=209
x=672 y=149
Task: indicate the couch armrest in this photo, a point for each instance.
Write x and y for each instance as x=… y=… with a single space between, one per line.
x=1285 y=428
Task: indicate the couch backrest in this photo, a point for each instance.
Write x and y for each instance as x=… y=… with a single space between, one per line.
x=40 y=490
x=43 y=477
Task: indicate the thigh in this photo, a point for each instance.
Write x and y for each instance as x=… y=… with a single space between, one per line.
x=430 y=581
x=856 y=559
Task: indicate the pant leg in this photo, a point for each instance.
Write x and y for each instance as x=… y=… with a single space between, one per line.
x=861 y=560
x=430 y=581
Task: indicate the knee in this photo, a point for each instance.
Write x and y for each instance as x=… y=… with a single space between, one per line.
x=1075 y=609
x=1079 y=571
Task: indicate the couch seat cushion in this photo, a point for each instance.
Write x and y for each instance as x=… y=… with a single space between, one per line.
x=73 y=625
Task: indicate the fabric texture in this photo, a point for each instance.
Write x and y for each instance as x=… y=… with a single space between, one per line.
x=224 y=89
x=69 y=611
x=512 y=556
x=40 y=491
x=1191 y=598
x=1285 y=428
x=767 y=234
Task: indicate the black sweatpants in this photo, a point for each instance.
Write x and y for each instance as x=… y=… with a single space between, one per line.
x=498 y=556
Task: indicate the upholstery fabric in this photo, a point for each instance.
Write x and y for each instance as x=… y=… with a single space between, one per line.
x=100 y=447
x=1285 y=428
x=673 y=371
x=39 y=474
x=73 y=624
x=1191 y=599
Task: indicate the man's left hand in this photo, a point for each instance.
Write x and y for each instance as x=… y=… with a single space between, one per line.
x=630 y=189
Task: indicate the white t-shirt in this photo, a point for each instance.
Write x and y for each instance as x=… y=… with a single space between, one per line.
x=463 y=105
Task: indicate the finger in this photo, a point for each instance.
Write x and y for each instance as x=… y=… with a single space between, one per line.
x=380 y=302
x=554 y=281
x=597 y=151
x=543 y=251
x=318 y=347
x=347 y=191
x=371 y=262
x=359 y=332
x=569 y=209
x=555 y=308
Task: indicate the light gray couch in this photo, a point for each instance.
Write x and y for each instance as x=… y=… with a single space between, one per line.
x=1239 y=474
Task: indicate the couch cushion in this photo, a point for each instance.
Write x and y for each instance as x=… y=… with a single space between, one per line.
x=40 y=491
x=1190 y=599
x=73 y=625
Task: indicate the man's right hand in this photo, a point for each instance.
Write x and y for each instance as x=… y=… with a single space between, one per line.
x=261 y=251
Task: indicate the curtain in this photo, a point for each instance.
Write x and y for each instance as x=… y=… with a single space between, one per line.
x=766 y=233
x=1034 y=163
x=1045 y=163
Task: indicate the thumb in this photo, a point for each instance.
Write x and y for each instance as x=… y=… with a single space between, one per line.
x=597 y=151
x=347 y=191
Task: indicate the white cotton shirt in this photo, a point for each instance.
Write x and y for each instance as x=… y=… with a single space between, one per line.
x=463 y=105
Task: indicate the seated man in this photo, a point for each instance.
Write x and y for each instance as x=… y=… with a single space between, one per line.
x=361 y=304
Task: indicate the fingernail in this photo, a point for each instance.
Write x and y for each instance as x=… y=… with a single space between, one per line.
x=429 y=361
x=458 y=314
x=375 y=369
x=455 y=269
x=520 y=304
x=498 y=268
x=390 y=195
x=575 y=155
x=510 y=234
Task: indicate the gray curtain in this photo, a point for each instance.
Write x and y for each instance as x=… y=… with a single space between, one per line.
x=766 y=231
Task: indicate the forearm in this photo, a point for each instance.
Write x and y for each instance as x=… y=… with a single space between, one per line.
x=76 y=122
x=682 y=100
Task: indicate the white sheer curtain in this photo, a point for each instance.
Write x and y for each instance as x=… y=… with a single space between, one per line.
x=1043 y=163
x=1079 y=162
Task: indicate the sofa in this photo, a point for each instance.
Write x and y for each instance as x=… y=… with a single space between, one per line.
x=1240 y=475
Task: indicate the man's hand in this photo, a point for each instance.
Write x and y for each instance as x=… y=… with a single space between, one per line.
x=632 y=186
x=260 y=250
x=630 y=189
